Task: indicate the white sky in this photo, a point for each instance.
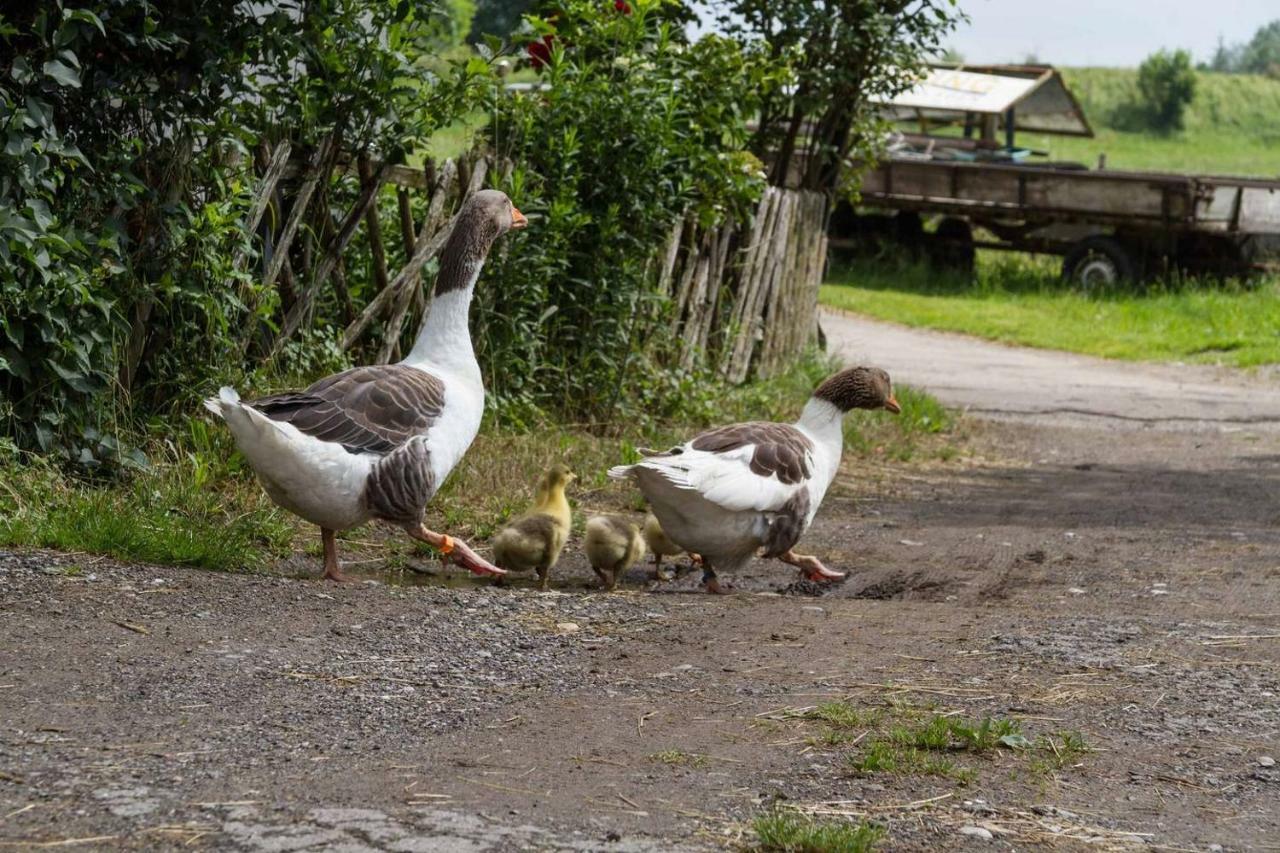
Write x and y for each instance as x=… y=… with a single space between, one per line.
x=1103 y=32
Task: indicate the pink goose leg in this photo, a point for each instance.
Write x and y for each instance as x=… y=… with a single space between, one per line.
x=331 y=570
x=812 y=567
x=456 y=551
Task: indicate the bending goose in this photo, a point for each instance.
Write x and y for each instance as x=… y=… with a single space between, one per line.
x=735 y=489
x=377 y=442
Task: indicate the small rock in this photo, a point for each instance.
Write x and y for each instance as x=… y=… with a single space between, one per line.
x=568 y=627
x=813 y=609
x=911 y=542
x=1214 y=848
x=977 y=832
x=1266 y=761
x=1075 y=590
x=684 y=667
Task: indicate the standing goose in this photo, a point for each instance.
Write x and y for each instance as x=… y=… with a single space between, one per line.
x=377 y=442
x=735 y=489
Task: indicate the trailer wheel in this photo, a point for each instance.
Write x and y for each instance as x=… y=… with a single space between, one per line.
x=1098 y=262
x=952 y=246
x=908 y=231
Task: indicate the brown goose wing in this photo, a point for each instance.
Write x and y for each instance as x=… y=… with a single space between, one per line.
x=781 y=450
x=366 y=409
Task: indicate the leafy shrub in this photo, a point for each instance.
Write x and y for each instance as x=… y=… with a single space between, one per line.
x=633 y=128
x=129 y=126
x=1166 y=86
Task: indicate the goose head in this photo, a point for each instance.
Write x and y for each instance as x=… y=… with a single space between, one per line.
x=484 y=217
x=490 y=213
x=859 y=388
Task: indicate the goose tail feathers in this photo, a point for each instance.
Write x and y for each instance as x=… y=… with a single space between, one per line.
x=227 y=396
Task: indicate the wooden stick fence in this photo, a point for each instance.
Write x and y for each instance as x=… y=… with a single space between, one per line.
x=743 y=296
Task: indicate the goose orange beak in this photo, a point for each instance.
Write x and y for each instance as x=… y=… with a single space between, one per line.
x=892 y=404
x=518 y=220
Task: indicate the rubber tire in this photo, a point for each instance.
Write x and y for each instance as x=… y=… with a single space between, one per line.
x=1097 y=262
x=952 y=247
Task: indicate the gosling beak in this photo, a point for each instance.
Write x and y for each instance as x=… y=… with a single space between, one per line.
x=518 y=220
x=892 y=404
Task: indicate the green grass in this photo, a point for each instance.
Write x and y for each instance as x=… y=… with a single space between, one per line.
x=923 y=747
x=161 y=516
x=1020 y=299
x=912 y=740
x=1232 y=126
x=881 y=756
x=678 y=757
x=200 y=505
x=788 y=832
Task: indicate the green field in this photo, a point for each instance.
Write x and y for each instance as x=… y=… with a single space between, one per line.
x=1020 y=299
x=1232 y=126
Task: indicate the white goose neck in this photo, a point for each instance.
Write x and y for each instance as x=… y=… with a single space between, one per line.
x=445 y=337
x=824 y=421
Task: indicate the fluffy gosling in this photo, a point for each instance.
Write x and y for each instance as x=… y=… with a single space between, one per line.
x=533 y=541
x=660 y=546
x=613 y=545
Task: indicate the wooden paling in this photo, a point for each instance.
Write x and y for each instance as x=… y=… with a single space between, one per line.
x=741 y=297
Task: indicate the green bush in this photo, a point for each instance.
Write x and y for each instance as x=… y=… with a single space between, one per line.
x=1166 y=86
x=632 y=128
x=129 y=129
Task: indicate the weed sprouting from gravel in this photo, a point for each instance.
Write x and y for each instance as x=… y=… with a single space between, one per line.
x=842 y=715
x=678 y=757
x=787 y=832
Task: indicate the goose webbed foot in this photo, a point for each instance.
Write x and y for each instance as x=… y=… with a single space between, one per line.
x=711 y=583
x=812 y=567
x=455 y=551
x=658 y=574
x=332 y=572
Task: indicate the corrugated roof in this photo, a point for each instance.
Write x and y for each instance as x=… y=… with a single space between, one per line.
x=1039 y=96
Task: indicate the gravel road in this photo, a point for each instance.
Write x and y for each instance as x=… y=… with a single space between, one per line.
x=1105 y=560
x=1047 y=386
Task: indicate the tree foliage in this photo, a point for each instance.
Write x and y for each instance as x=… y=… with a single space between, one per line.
x=126 y=127
x=1259 y=55
x=1166 y=86
x=498 y=18
x=632 y=128
x=841 y=56
x=135 y=134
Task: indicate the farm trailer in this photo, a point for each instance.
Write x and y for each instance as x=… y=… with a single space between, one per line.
x=1107 y=225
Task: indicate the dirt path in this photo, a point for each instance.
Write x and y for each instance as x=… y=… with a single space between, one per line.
x=1048 y=386
x=1119 y=584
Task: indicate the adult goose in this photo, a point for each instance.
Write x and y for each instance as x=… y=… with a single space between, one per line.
x=733 y=490
x=377 y=442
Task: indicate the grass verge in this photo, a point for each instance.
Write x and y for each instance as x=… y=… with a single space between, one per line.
x=787 y=832
x=915 y=741
x=1020 y=299
x=197 y=504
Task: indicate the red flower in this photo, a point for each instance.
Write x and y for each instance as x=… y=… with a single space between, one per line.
x=622 y=6
x=540 y=51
